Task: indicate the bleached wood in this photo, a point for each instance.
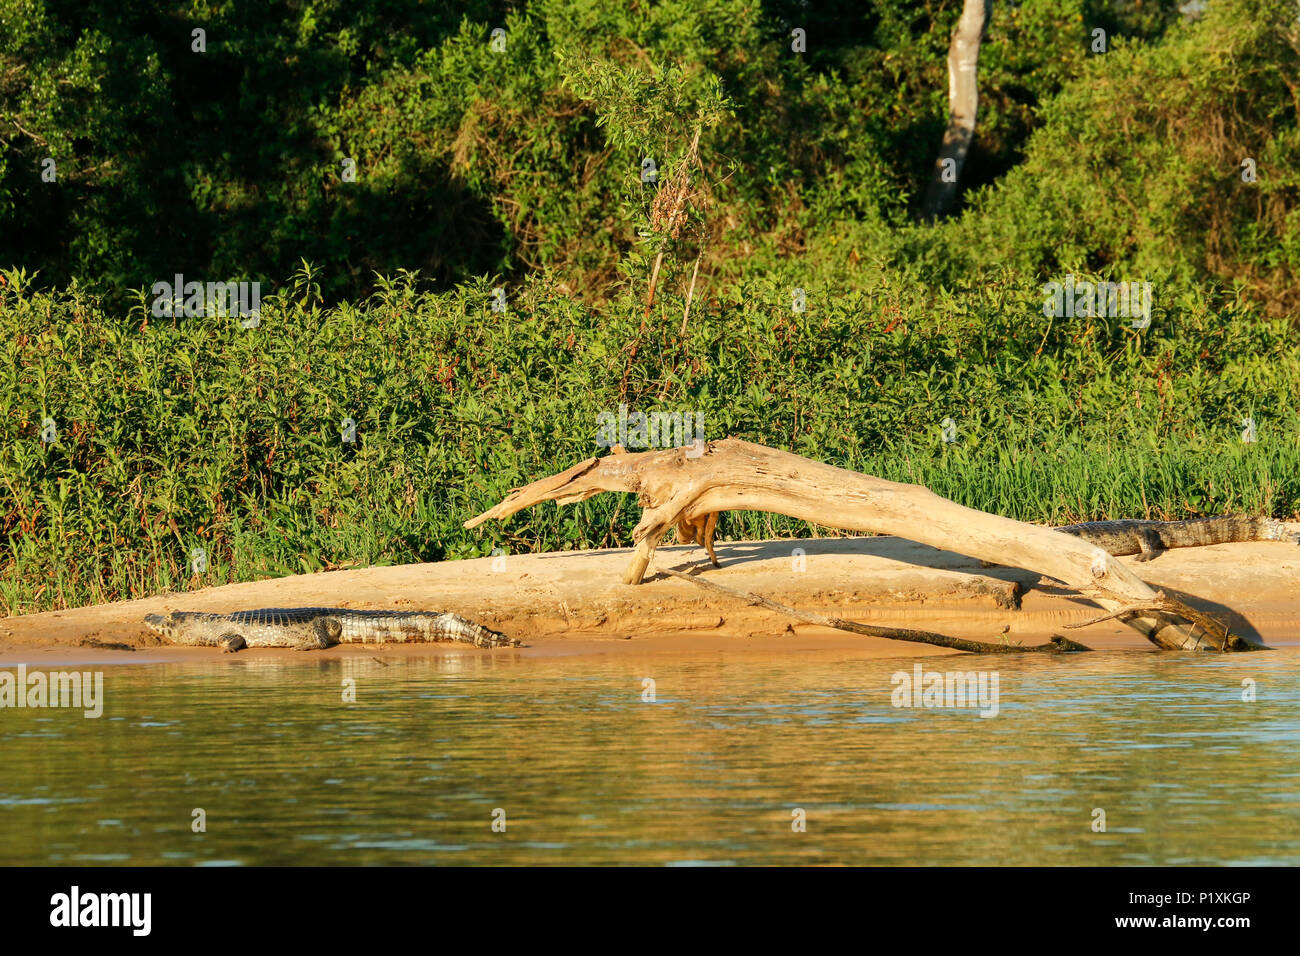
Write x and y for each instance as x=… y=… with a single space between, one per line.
x=690 y=487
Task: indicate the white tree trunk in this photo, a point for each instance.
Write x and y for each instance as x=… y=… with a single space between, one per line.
x=963 y=107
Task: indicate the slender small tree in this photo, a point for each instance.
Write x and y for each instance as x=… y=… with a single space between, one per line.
x=655 y=115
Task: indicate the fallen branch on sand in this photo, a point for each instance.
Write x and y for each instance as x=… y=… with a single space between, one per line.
x=1056 y=645
x=688 y=488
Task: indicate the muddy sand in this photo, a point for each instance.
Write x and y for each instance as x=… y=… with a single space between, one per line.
x=575 y=602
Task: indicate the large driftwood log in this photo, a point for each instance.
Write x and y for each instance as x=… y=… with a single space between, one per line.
x=688 y=488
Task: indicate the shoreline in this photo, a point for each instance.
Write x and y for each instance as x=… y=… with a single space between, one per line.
x=575 y=603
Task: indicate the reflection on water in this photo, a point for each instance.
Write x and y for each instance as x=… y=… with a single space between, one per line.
x=710 y=771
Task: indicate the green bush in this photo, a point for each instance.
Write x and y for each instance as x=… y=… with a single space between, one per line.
x=1137 y=169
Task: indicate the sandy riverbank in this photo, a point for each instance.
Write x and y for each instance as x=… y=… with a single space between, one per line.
x=575 y=602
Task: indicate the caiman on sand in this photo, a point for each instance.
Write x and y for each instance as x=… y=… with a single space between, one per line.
x=1148 y=538
x=309 y=628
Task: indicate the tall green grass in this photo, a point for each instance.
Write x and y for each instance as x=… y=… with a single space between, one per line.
x=177 y=434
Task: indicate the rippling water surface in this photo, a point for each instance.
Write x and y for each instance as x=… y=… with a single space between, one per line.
x=585 y=769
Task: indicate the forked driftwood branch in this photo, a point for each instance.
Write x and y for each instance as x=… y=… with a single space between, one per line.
x=688 y=488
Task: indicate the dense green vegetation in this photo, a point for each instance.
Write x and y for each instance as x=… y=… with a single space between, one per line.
x=521 y=169
x=178 y=434
x=228 y=163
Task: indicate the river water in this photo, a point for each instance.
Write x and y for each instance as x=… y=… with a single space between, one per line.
x=725 y=759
